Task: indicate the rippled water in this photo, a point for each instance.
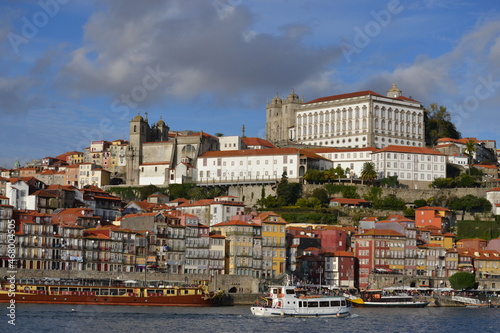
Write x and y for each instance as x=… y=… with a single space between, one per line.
x=67 y=318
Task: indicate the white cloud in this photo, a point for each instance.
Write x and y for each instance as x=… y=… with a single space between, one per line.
x=202 y=53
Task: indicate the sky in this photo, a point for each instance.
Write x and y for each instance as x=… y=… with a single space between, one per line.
x=76 y=71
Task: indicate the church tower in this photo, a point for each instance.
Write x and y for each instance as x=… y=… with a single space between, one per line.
x=160 y=131
x=280 y=118
x=139 y=132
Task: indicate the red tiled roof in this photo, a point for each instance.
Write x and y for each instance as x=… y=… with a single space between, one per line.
x=433 y=208
x=257 y=142
x=343 y=254
x=380 y=232
x=343 y=96
x=261 y=152
x=233 y=222
x=340 y=150
x=45 y=194
x=408 y=149
x=485 y=166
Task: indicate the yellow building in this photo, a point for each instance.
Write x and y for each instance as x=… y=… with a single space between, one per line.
x=446 y=240
x=273 y=243
x=239 y=246
x=486 y=263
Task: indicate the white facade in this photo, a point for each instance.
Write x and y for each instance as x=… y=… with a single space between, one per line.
x=253 y=165
x=493 y=196
x=362 y=119
x=354 y=159
x=230 y=143
x=223 y=208
x=153 y=173
x=17 y=193
x=459 y=160
x=416 y=167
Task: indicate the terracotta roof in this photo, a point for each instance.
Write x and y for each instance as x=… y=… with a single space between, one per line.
x=257 y=142
x=233 y=222
x=433 y=208
x=485 y=166
x=462 y=140
x=340 y=150
x=343 y=96
x=444 y=145
x=261 y=152
x=380 y=232
x=343 y=254
x=45 y=194
x=411 y=150
x=202 y=202
x=61 y=187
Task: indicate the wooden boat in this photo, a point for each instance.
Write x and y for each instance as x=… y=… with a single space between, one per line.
x=380 y=298
x=292 y=301
x=109 y=295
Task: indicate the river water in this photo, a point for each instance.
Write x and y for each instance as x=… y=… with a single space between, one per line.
x=89 y=318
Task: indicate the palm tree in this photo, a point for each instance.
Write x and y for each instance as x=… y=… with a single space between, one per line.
x=369 y=173
x=469 y=150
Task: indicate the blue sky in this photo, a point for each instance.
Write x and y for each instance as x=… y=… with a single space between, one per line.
x=73 y=71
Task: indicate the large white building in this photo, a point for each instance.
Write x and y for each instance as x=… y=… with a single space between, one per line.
x=354 y=120
x=352 y=159
x=414 y=166
x=257 y=165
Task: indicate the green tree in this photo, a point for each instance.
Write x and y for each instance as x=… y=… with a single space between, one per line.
x=391 y=201
x=469 y=151
x=462 y=280
x=288 y=193
x=350 y=192
x=467 y=181
x=373 y=194
x=180 y=190
x=368 y=172
x=268 y=202
x=443 y=183
x=314 y=176
x=438 y=124
x=322 y=195
x=469 y=203
x=391 y=181
x=330 y=175
x=420 y=203
x=146 y=191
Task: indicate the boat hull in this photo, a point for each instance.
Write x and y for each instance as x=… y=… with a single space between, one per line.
x=188 y=300
x=390 y=305
x=274 y=312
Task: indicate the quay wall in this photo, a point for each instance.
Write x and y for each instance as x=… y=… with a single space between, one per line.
x=249 y=194
x=233 y=284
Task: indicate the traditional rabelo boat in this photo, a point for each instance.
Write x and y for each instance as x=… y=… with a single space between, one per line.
x=292 y=301
x=382 y=298
x=113 y=294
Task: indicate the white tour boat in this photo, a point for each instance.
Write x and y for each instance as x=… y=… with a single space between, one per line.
x=292 y=301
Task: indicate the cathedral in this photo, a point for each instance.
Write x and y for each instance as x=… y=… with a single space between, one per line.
x=159 y=156
x=352 y=120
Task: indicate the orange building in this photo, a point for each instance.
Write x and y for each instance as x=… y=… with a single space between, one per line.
x=476 y=244
x=433 y=216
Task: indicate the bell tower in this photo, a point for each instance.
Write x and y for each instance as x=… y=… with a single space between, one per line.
x=139 y=131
